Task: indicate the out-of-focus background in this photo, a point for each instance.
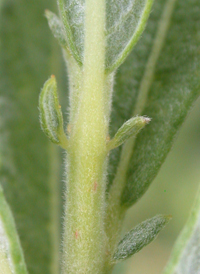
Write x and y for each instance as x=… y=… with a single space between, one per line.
x=172 y=192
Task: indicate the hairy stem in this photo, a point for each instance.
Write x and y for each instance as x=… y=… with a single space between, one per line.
x=85 y=196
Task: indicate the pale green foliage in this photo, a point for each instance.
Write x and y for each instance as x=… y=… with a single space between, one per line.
x=172 y=79
x=125 y=22
x=129 y=129
x=51 y=118
x=56 y=27
x=185 y=257
x=72 y=16
x=30 y=168
x=190 y=260
x=139 y=237
x=11 y=256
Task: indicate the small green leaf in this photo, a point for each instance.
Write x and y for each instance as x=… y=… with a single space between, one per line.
x=11 y=255
x=139 y=237
x=51 y=118
x=129 y=129
x=72 y=15
x=185 y=257
x=125 y=22
x=56 y=27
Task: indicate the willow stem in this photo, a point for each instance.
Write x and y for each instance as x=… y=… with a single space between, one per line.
x=85 y=196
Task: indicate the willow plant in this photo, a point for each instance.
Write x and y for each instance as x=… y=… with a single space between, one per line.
x=120 y=128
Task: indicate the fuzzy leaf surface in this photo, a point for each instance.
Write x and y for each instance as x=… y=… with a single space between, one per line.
x=56 y=27
x=51 y=119
x=11 y=255
x=72 y=14
x=50 y=114
x=129 y=129
x=29 y=163
x=125 y=22
x=139 y=237
x=185 y=257
x=174 y=87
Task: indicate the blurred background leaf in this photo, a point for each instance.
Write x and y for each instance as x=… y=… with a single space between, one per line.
x=11 y=254
x=173 y=87
x=30 y=165
x=188 y=164
x=185 y=257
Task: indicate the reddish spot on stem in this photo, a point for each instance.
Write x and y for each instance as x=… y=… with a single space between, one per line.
x=95 y=186
x=52 y=76
x=107 y=252
x=69 y=128
x=59 y=106
x=76 y=234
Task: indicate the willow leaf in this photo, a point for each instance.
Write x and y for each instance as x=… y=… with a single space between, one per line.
x=29 y=164
x=185 y=257
x=11 y=255
x=125 y=22
x=72 y=15
x=51 y=118
x=129 y=129
x=56 y=27
x=140 y=236
x=164 y=67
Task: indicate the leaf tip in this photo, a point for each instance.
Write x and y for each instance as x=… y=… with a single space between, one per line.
x=147 y=120
x=168 y=217
x=129 y=129
x=47 y=13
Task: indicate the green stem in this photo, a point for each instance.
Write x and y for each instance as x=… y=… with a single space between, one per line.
x=84 y=237
x=55 y=207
